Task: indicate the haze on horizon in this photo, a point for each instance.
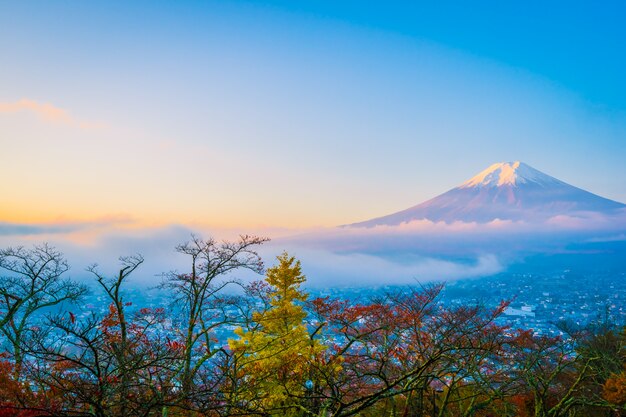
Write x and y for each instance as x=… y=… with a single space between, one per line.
x=271 y=115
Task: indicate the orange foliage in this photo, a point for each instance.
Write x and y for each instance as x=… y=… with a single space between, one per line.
x=10 y=392
x=615 y=389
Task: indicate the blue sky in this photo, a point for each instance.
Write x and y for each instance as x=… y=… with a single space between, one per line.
x=298 y=114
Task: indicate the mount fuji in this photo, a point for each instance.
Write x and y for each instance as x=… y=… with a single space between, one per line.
x=505 y=191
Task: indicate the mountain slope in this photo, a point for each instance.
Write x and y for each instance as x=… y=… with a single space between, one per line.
x=505 y=191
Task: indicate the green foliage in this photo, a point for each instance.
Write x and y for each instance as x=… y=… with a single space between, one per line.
x=276 y=353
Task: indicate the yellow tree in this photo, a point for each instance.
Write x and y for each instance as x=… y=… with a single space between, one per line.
x=275 y=356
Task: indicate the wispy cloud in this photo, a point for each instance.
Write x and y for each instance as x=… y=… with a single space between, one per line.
x=62 y=227
x=47 y=113
x=18 y=229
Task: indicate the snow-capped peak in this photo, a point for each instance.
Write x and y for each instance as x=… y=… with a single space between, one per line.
x=506 y=191
x=508 y=173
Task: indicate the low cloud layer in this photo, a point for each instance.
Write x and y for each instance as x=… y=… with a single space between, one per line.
x=409 y=253
x=330 y=269
x=324 y=268
x=580 y=221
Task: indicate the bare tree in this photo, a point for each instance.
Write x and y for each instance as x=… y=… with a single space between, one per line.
x=198 y=295
x=34 y=283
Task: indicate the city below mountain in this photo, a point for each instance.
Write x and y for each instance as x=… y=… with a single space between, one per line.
x=505 y=191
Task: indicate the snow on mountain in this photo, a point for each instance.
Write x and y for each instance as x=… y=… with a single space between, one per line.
x=505 y=191
x=509 y=173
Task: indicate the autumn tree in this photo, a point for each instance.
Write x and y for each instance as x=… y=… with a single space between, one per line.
x=600 y=391
x=275 y=355
x=406 y=352
x=118 y=363
x=551 y=372
x=472 y=374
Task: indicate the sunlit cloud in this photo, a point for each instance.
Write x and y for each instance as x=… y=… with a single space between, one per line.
x=47 y=113
x=579 y=221
x=590 y=221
